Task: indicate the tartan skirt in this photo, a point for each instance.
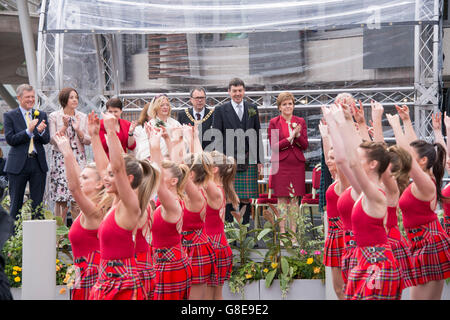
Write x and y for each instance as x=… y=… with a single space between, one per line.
x=146 y=272
x=402 y=253
x=246 y=183
x=349 y=260
x=376 y=276
x=173 y=273
x=118 y=280
x=430 y=249
x=86 y=275
x=201 y=254
x=334 y=243
x=224 y=259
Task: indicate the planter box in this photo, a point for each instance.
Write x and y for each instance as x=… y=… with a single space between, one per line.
x=251 y=292
x=17 y=293
x=301 y=289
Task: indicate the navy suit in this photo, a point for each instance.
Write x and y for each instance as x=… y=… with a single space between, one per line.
x=206 y=125
x=20 y=166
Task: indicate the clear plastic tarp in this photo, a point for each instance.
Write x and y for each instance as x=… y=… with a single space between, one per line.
x=223 y=16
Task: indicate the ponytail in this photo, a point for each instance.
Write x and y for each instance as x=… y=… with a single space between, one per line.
x=201 y=165
x=149 y=184
x=227 y=172
x=439 y=168
x=179 y=171
x=401 y=163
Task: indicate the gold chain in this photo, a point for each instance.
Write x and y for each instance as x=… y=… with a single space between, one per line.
x=198 y=121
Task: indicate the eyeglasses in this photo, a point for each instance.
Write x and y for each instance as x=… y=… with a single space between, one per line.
x=198 y=98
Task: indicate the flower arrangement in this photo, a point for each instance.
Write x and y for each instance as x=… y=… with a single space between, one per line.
x=251 y=112
x=159 y=123
x=12 y=250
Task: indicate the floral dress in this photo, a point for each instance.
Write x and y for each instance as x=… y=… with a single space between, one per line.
x=59 y=190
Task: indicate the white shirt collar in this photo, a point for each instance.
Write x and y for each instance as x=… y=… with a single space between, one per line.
x=201 y=112
x=234 y=104
x=24 y=112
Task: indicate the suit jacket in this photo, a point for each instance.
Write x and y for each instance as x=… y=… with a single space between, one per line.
x=281 y=147
x=207 y=124
x=225 y=117
x=18 y=139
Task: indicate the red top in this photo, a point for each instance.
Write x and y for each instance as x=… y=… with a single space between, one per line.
x=164 y=234
x=446 y=204
x=368 y=231
x=332 y=199
x=122 y=134
x=141 y=243
x=415 y=212
x=193 y=220
x=345 y=207
x=115 y=242
x=392 y=220
x=214 y=218
x=83 y=241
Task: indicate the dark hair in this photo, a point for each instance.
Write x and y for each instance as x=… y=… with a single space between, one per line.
x=236 y=82
x=435 y=160
x=114 y=103
x=197 y=89
x=377 y=151
x=401 y=161
x=227 y=172
x=64 y=95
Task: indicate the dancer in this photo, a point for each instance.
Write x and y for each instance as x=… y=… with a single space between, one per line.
x=170 y=262
x=335 y=238
x=88 y=191
x=429 y=244
x=132 y=182
x=376 y=275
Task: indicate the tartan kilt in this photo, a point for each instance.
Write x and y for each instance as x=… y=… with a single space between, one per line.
x=246 y=183
x=334 y=243
x=402 y=253
x=173 y=273
x=447 y=224
x=376 y=276
x=201 y=254
x=146 y=272
x=118 y=280
x=86 y=277
x=430 y=249
x=349 y=260
x=224 y=259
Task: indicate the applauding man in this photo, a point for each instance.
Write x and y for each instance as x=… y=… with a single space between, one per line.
x=26 y=132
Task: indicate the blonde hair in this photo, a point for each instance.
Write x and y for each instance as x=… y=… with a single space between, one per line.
x=227 y=172
x=102 y=199
x=145 y=177
x=201 y=164
x=401 y=163
x=156 y=104
x=344 y=98
x=179 y=171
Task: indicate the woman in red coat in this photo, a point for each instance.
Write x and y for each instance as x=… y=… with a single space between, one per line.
x=288 y=139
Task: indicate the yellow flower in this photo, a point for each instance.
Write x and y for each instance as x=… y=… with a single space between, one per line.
x=57 y=268
x=36 y=113
x=266 y=270
x=57 y=261
x=17 y=279
x=274 y=265
x=15 y=273
x=16 y=268
x=309 y=261
x=316 y=270
x=62 y=291
x=19 y=269
x=248 y=276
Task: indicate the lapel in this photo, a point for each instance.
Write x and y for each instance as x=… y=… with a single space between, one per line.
x=245 y=116
x=191 y=112
x=280 y=130
x=231 y=114
x=22 y=121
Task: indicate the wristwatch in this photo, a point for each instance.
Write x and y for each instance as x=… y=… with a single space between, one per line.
x=130 y=134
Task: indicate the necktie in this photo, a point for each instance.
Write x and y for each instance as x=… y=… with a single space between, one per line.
x=240 y=111
x=199 y=116
x=31 y=146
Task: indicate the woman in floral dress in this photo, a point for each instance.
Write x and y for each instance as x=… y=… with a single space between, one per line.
x=73 y=124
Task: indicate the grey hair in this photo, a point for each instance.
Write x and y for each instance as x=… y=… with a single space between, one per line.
x=23 y=87
x=197 y=89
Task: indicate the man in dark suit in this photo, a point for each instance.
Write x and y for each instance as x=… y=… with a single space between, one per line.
x=26 y=132
x=238 y=121
x=199 y=114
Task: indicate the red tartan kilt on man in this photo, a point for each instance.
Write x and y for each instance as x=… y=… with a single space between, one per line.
x=118 y=280
x=376 y=276
x=349 y=260
x=172 y=273
x=402 y=253
x=86 y=269
x=146 y=273
x=224 y=259
x=430 y=249
x=334 y=247
x=201 y=254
